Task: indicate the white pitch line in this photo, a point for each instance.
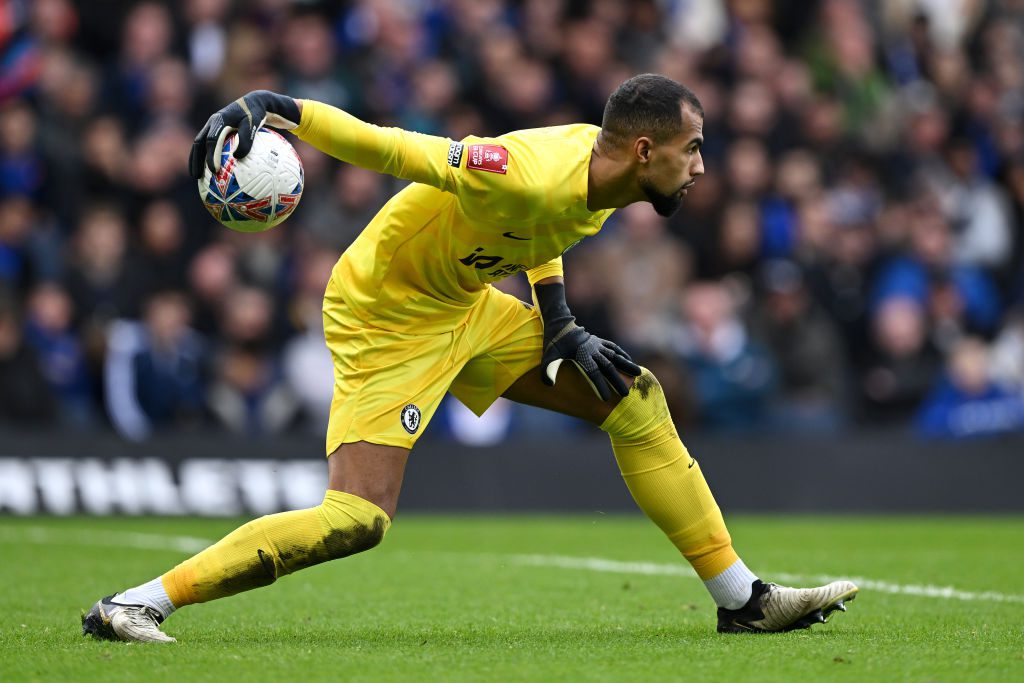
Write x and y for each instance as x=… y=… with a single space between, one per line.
x=600 y=564
x=41 y=535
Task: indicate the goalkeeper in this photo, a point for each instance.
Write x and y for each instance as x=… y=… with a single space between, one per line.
x=410 y=314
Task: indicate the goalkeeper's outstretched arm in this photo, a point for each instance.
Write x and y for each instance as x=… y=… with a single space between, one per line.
x=403 y=154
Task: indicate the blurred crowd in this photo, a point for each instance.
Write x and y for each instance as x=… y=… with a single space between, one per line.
x=852 y=257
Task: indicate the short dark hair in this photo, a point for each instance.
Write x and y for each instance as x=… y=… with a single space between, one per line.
x=648 y=104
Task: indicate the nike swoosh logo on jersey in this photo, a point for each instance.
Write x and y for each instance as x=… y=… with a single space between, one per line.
x=513 y=237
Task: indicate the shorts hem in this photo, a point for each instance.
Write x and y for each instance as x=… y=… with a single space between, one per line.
x=375 y=440
x=480 y=406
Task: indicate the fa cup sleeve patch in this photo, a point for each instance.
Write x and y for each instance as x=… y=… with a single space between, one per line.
x=490 y=158
x=455 y=154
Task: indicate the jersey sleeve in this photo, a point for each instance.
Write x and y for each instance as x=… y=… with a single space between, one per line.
x=552 y=268
x=489 y=184
x=401 y=153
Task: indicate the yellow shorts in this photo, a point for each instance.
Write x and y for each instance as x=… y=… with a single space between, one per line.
x=387 y=385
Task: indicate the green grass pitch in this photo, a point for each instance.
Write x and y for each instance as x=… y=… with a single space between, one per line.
x=514 y=599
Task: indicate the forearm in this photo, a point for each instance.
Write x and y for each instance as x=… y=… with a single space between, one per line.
x=549 y=297
x=403 y=154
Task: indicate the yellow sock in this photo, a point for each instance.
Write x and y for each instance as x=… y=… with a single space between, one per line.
x=257 y=553
x=665 y=481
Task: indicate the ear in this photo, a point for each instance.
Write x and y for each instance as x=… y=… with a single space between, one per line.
x=642 y=147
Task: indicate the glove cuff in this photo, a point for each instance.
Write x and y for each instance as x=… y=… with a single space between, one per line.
x=282 y=106
x=553 y=308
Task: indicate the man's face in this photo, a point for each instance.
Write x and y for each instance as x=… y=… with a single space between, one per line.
x=672 y=167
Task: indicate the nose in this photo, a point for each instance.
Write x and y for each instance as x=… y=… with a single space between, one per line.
x=697 y=169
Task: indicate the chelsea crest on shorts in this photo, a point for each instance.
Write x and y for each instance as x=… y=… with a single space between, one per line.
x=411 y=418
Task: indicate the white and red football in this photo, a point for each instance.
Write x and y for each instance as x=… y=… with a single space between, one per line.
x=258 y=192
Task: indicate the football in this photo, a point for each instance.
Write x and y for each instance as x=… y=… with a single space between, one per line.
x=258 y=192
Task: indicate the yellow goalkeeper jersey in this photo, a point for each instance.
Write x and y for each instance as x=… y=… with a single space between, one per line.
x=478 y=210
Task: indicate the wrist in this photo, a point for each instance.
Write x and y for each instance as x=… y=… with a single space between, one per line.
x=552 y=305
x=286 y=107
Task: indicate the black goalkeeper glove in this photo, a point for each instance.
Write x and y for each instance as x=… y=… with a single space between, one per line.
x=599 y=360
x=246 y=115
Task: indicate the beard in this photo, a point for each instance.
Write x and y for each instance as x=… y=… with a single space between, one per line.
x=664 y=204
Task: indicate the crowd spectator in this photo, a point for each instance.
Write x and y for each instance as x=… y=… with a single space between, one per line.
x=155 y=371
x=25 y=398
x=60 y=354
x=967 y=402
x=812 y=392
x=902 y=364
x=858 y=228
x=733 y=376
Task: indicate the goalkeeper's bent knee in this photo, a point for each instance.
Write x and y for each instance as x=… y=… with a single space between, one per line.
x=259 y=552
x=665 y=481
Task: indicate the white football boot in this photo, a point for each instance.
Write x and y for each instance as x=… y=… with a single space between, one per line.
x=774 y=608
x=109 y=620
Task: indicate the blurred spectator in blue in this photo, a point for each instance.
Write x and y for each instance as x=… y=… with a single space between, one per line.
x=21 y=59
x=806 y=344
x=248 y=393
x=62 y=360
x=797 y=178
x=146 y=37
x=104 y=282
x=960 y=297
x=903 y=363
x=16 y=218
x=154 y=374
x=22 y=167
x=25 y=396
x=733 y=376
x=967 y=403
